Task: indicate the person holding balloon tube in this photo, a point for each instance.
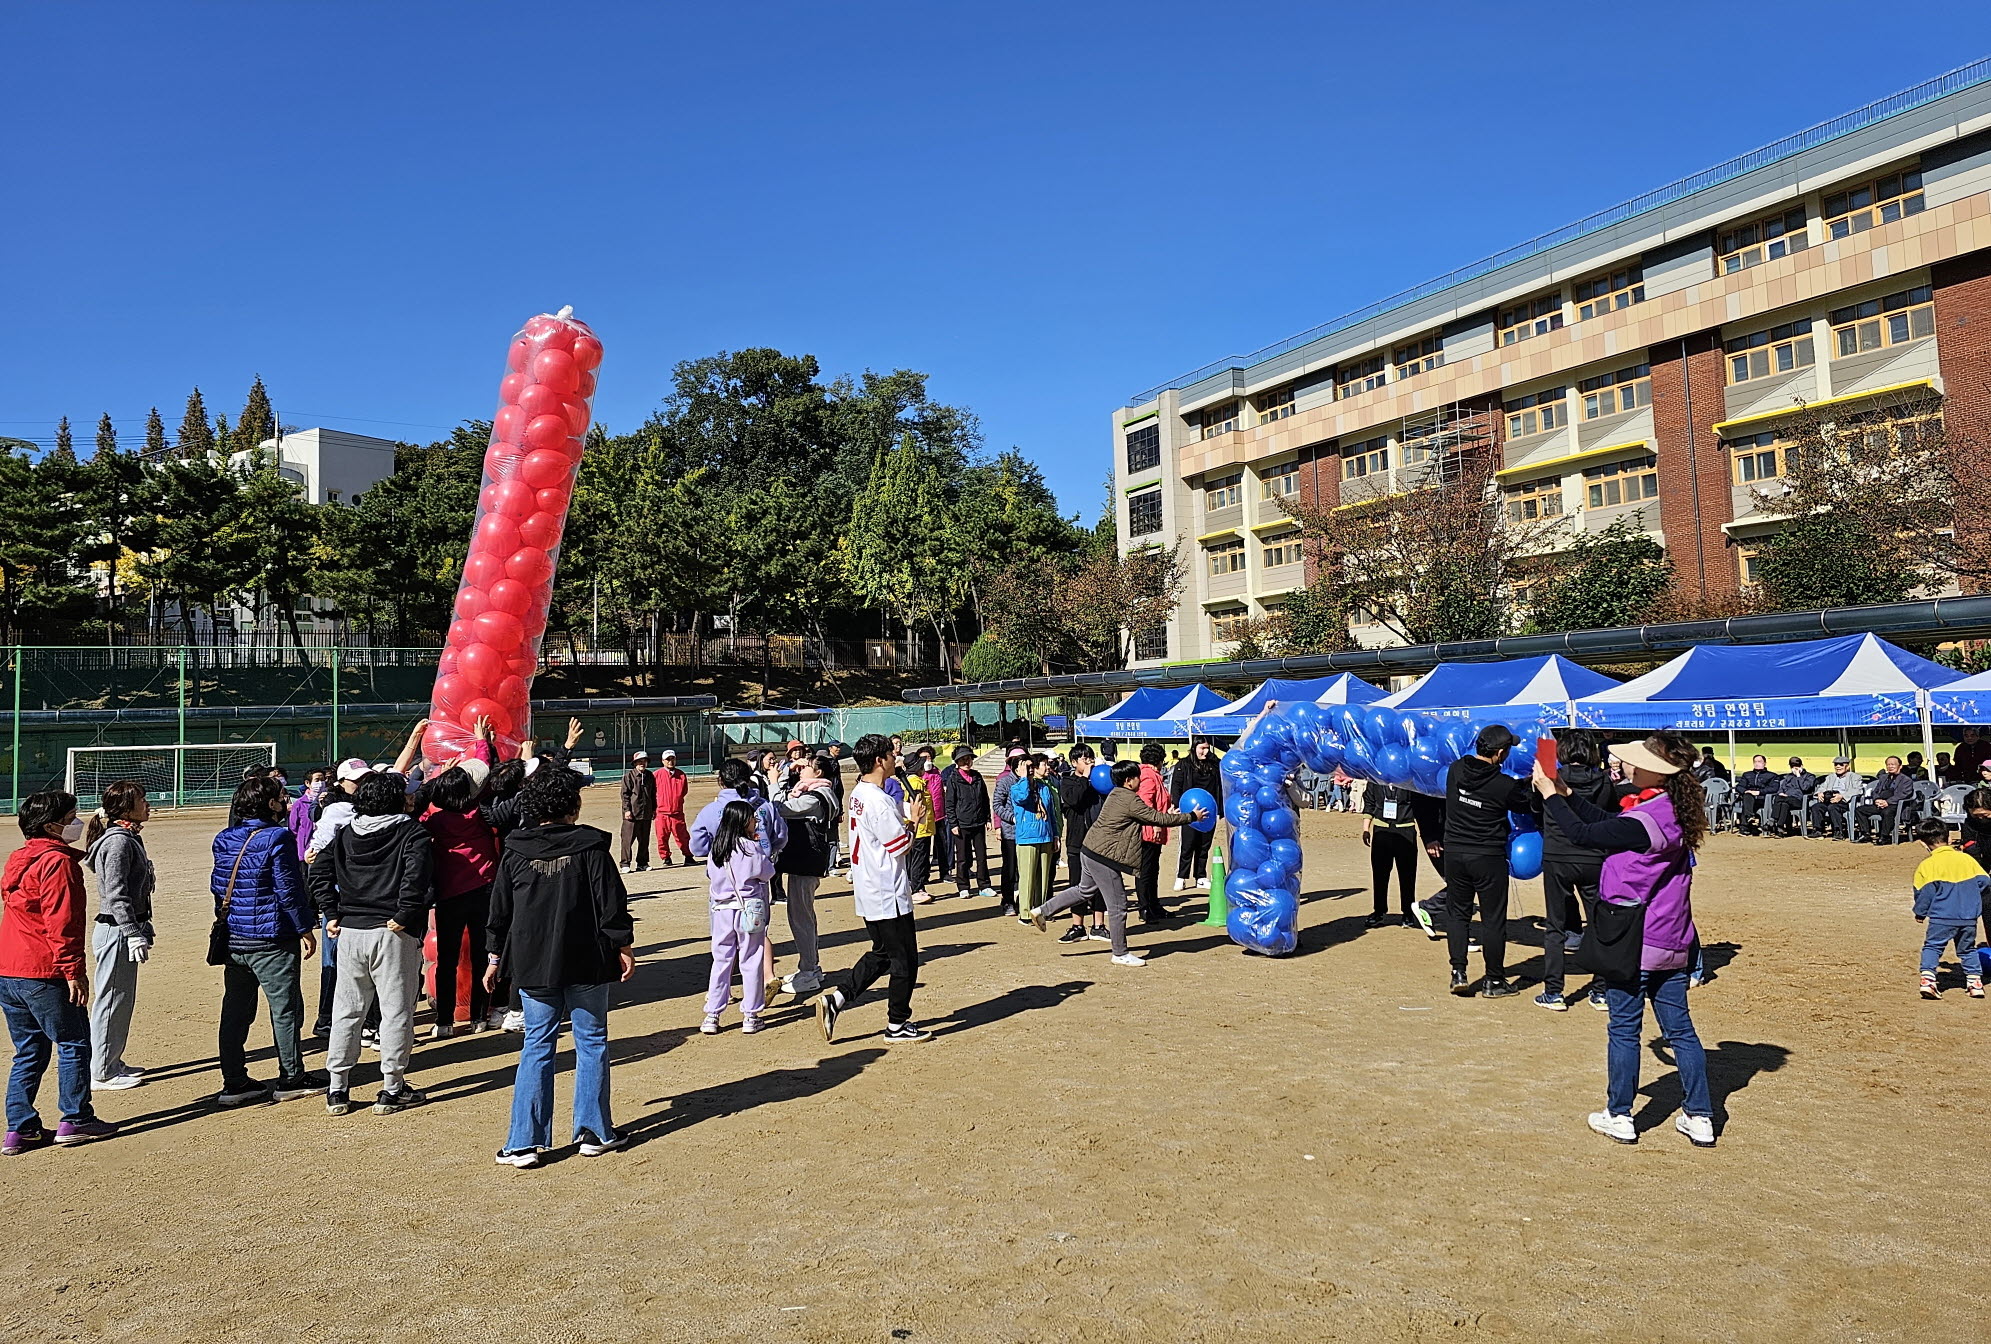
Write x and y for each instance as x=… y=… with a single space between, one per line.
x=1478 y=797
x=1197 y=770
x=1113 y=852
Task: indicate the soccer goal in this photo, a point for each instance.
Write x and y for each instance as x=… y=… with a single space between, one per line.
x=176 y=774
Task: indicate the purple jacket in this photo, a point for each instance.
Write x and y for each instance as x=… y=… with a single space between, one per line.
x=1660 y=875
x=742 y=877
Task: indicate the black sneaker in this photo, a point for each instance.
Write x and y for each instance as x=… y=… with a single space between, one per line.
x=306 y=1084
x=1075 y=934
x=1461 y=985
x=338 y=1102
x=249 y=1094
x=1009 y=908
x=905 y=1031
x=1377 y=921
x=1555 y=1003
x=1498 y=989
x=400 y=1099
x=828 y=1007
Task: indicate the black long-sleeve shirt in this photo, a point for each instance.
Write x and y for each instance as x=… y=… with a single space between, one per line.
x=1594 y=828
x=1477 y=800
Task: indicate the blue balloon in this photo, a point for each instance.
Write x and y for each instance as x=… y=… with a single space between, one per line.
x=1380 y=727
x=1194 y=798
x=1524 y=855
x=1269 y=796
x=1520 y=823
x=1393 y=764
x=1271 y=775
x=1287 y=851
x=1272 y=873
x=1356 y=759
x=1264 y=919
x=1237 y=878
x=1278 y=823
x=1305 y=716
x=1248 y=847
x=1240 y=809
x=1458 y=739
x=1101 y=776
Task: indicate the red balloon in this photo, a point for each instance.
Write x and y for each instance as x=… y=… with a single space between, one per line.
x=483 y=666
x=497 y=534
x=508 y=424
x=487 y=498
x=482 y=706
x=451 y=692
x=553 y=500
x=516 y=358
x=539 y=400
x=587 y=352
x=546 y=431
x=510 y=691
x=482 y=570
x=513 y=384
x=471 y=601
x=513 y=498
x=540 y=529
x=577 y=415
x=459 y=631
x=446 y=665
x=587 y=387
x=511 y=595
x=528 y=564
x=522 y=664
x=547 y=467
x=555 y=368
x=500 y=629
x=501 y=460
x=443 y=741
x=551 y=333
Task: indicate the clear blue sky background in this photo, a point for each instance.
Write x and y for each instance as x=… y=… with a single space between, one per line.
x=1046 y=207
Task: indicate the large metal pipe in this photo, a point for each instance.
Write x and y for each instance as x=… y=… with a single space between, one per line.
x=1930 y=619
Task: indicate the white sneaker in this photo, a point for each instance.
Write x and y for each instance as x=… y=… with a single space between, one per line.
x=525 y=1157
x=710 y=1026
x=988 y=893
x=495 y=1020
x=369 y=1040
x=802 y=982
x=594 y=1147
x=117 y=1084
x=442 y=1031
x=1129 y=959
x=514 y=1021
x=1181 y=882
x=1617 y=1127
x=1699 y=1129
x=749 y=1025
x=627 y=869
x=1203 y=883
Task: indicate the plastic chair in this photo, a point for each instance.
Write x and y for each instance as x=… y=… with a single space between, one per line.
x=1720 y=802
x=1949 y=803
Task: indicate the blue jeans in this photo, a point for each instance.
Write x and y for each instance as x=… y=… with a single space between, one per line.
x=1941 y=933
x=42 y=1021
x=1668 y=992
x=532 y=1093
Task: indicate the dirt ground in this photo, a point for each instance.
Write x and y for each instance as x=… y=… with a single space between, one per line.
x=1215 y=1147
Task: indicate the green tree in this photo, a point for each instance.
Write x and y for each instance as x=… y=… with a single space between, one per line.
x=117 y=498
x=38 y=537
x=989 y=659
x=107 y=435
x=258 y=423
x=196 y=434
x=65 y=443
x=1618 y=576
x=155 y=436
x=1313 y=619
x=224 y=438
x=277 y=538
x=896 y=553
x=1828 y=560
x=192 y=547
x=393 y=557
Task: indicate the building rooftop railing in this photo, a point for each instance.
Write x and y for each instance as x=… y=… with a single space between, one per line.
x=1963 y=77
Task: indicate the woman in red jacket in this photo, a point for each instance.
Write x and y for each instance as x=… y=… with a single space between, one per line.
x=44 y=990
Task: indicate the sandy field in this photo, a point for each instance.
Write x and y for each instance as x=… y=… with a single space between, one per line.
x=1213 y=1147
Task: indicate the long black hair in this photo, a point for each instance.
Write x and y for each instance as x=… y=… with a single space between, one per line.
x=1034 y=788
x=734 y=822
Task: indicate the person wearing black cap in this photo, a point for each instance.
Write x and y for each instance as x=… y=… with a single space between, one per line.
x=1477 y=800
x=1793 y=792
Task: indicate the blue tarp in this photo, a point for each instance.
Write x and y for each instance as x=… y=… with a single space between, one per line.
x=1152 y=714
x=1853 y=681
x=1545 y=685
x=1232 y=719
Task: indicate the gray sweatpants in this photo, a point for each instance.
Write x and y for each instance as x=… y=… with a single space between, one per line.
x=115 y=992
x=382 y=964
x=1104 y=882
x=802 y=921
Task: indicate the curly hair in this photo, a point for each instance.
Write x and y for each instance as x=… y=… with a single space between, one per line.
x=550 y=793
x=1689 y=798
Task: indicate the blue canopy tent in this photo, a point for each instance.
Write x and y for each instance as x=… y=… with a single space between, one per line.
x=1152 y=713
x=1456 y=690
x=1232 y=719
x=1963 y=702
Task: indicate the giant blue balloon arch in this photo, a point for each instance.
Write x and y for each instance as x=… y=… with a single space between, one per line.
x=1408 y=748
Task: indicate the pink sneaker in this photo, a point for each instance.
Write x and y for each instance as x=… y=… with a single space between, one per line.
x=82 y=1131
x=20 y=1140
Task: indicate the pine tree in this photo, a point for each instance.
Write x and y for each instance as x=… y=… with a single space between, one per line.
x=224 y=438
x=107 y=436
x=65 y=443
x=257 y=422
x=196 y=434
x=155 y=435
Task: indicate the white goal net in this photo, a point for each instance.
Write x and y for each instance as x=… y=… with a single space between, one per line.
x=180 y=774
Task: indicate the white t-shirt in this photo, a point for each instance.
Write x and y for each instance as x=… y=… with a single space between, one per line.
x=879 y=841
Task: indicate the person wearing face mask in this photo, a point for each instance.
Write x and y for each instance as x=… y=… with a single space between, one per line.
x=122 y=938
x=44 y=989
x=305 y=808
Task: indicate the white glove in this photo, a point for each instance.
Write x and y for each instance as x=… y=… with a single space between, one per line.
x=139 y=947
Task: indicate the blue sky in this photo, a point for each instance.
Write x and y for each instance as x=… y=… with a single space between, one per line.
x=1044 y=207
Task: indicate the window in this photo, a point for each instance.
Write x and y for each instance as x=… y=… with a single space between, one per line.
x=1224 y=493
x=1225 y=557
x=1878 y=202
x=1760 y=457
x=1878 y=323
x=1218 y=419
x=1283 y=549
x=1608 y=293
x=1539 y=498
x=1778 y=350
x=1419 y=357
x=1615 y=393
x=1275 y=406
x=1151 y=642
x=1144 y=513
x=1764 y=240
x=1626 y=482
x=1895 y=430
x=1749 y=562
x=1537 y=413
x=1144 y=449
x=1537 y=317
x=1371 y=457
x=1351 y=379
x=1279 y=482
x=1228 y=626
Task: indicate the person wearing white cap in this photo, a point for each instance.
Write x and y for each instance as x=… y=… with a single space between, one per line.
x=336 y=814
x=639 y=809
x=670 y=784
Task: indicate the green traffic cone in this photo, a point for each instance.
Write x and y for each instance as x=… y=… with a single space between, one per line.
x=1220 y=909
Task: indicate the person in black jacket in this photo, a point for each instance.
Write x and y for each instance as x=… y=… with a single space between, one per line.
x=1197 y=770
x=1754 y=788
x=1080 y=803
x=966 y=808
x=1793 y=793
x=1887 y=798
x=374 y=885
x=1570 y=871
x=1477 y=800
x=1389 y=829
x=811 y=813
x=560 y=930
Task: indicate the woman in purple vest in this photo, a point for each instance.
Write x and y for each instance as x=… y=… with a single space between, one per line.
x=1649 y=848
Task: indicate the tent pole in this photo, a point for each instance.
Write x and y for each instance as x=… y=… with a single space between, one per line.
x=1928 y=735
x=1731 y=753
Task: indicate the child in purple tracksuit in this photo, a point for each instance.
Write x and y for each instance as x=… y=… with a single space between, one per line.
x=738 y=870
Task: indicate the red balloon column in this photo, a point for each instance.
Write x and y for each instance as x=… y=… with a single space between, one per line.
x=501 y=605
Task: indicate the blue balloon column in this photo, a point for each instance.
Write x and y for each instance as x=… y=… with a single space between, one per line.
x=1410 y=749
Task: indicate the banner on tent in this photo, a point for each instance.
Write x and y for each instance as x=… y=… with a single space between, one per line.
x=1960 y=707
x=1766 y=715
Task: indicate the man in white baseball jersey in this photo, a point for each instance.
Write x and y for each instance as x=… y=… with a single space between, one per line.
x=880 y=841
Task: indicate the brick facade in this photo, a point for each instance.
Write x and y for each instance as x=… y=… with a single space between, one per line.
x=1320 y=486
x=1963 y=340
x=1688 y=392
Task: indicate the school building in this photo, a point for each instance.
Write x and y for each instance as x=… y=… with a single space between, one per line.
x=1638 y=363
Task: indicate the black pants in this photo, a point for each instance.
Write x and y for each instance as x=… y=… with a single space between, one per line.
x=1872 y=817
x=1481 y=876
x=943 y=848
x=1074 y=842
x=1571 y=891
x=971 y=850
x=635 y=833
x=1194 y=854
x=1393 y=847
x=919 y=861
x=895 y=948
x=1007 y=889
x=471 y=910
x=1828 y=815
x=1147 y=882
x=1749 y=807
x=1782 y=808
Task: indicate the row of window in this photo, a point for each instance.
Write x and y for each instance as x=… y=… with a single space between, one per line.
x=1631 y=480
x=1612 y=393
x=1227 y=557
x=1280 y=482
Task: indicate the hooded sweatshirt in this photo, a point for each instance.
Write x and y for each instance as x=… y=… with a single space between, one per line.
x=125 y=880
x=810 y=813
x=41 y=931
x=1477 y=800
x=559 y=911
x=377 y=869
x=1591 y=784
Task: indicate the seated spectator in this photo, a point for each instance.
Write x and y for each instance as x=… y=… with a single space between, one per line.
x=1753 y=792
x=1832 y=800
x=1793 y=792
x=1708 y=767
x=1914 y=768
x=1876 y=817
x=1949 y=772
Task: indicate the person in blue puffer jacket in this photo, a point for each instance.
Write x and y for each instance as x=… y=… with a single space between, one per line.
x=258 y=887
x=1036 y=820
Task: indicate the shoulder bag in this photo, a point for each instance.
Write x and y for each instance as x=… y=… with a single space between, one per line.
x=217 y=937
x=1613 y=942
